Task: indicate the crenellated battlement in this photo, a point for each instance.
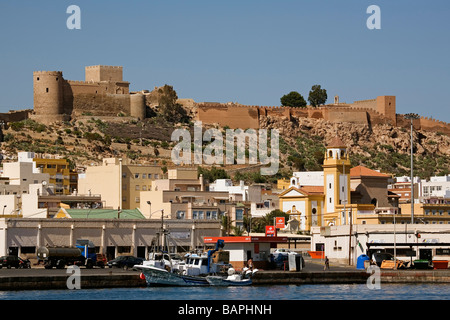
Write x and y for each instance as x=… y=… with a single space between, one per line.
x=370 y=111
x=103 y=66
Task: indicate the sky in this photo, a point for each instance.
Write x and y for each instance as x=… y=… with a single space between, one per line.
x=249 y=51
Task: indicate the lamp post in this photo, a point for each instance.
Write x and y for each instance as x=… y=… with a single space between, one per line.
x=412 y=116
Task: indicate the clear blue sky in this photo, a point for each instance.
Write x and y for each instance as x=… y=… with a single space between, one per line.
x=247 y=51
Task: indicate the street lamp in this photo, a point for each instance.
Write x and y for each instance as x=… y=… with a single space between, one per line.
x=412 y=116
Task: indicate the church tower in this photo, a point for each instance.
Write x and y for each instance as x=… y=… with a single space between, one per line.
x=336 y=171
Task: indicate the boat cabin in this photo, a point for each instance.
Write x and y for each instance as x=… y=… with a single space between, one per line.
x=241 y=249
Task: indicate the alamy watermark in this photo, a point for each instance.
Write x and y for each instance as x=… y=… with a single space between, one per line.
x=74 y=20
x=74 y=280
x=374 y=280
x=212 y=153
x=374 y=21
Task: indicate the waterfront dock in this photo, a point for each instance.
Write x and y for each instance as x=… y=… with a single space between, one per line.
x=42 y=279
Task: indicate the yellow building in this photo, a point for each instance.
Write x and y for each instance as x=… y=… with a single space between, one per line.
x=60 y=174
x=326 y=199
x=118 y=182
x=283 y=184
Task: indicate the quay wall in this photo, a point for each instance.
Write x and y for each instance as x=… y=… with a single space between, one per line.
x=261 y=278
x=60 y=282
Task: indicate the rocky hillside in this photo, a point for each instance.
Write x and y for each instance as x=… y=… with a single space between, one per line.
x=381 y=147
x=302 y=144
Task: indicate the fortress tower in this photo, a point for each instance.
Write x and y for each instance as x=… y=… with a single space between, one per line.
x=48 y=94
x=103 y=93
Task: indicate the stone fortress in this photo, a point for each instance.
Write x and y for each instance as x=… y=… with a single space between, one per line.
x=104 y=93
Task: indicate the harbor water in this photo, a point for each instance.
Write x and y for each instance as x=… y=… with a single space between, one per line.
x=267 y=293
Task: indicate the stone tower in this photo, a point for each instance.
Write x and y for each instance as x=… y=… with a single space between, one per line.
x=48 y=93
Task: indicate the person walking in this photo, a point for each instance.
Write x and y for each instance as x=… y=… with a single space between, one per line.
x=327 y=264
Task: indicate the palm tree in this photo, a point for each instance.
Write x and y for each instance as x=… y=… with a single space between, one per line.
x=226 y=224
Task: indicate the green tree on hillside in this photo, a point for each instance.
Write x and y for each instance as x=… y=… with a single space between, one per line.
x=168 y=106
x=293 y=99
x=317 y=95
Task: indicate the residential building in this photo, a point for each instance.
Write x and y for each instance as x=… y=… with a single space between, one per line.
x=183 y=196
x=402 y=187
x=118 y=182
x=436 y=187
x=61 y=178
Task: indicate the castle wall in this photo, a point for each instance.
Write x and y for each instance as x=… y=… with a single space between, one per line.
x=235 y=117
x=15 y=116
x=101 y=104
x=434 y=125
x=346 y=115
x=365 y=104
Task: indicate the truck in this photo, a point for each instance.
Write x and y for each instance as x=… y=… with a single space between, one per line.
x=82 y=254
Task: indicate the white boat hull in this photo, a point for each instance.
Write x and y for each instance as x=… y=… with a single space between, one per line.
x=157 y=276
x=221 y=281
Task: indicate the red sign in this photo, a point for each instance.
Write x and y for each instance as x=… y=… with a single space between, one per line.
x=270 y=231
x=279 y=222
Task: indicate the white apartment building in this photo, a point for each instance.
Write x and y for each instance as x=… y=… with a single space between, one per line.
x=436 y=187
x=21 y=184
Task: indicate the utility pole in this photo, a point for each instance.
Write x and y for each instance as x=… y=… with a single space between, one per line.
x=412 y=116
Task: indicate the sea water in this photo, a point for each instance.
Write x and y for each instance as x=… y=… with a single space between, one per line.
x=266 y=293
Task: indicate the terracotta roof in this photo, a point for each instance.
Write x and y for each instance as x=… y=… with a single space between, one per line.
x=312 y=189
x=336 y=143
x=305 y=190
x=361 y=171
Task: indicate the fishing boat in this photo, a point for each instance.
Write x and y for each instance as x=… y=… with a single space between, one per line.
x=233 y=278
x=162 y=270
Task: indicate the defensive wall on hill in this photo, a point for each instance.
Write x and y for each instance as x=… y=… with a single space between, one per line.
x=369 y=112
x=104 y=93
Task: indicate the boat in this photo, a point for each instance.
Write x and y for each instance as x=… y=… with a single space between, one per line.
x=233 y=278
x=161 y=270
x=156 y=276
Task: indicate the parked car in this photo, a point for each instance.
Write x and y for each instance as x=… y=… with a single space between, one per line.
x=124 y=262
x=9 y=261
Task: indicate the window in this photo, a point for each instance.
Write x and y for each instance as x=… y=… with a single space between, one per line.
x=149 y=175
x=144 y=176
x=137 y=187
x=136 y=175
x=137 y=199
x=144 y=188
x=46 y=89
x=239 y=214
x=180 y=214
